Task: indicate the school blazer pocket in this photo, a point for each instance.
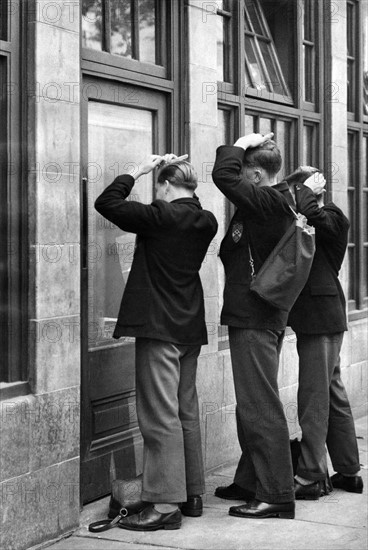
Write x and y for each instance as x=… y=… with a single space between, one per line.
x=323 y=290
x=135 y=305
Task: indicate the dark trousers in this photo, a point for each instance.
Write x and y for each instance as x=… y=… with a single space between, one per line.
x=323 y=408
x=265 y=466
x=168 y=417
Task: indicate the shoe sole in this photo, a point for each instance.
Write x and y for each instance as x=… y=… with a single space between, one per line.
x=234 y=497
x=358 y=492
x=306 y=497
x=281 y=515
x=168 y=526
x=192 y=514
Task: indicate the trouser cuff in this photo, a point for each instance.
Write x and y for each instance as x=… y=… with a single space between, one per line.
x=311 y=476
x=354 y=469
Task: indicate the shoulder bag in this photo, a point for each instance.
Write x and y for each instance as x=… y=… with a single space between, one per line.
x=286 y=270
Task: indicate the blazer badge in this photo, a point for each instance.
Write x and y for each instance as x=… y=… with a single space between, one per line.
x=237 y=231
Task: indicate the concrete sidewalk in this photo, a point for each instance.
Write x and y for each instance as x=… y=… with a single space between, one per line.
x=338 y=521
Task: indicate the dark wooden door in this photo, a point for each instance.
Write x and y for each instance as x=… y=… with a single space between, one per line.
x=121 y=125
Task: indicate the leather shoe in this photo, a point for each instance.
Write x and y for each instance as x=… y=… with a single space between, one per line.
x=351 y=484
x=193 y=507
x=257 y=509
x=234 y=492
x=150 y=519
x=307 y=492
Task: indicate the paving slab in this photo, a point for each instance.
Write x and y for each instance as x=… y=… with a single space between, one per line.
x=337 y=522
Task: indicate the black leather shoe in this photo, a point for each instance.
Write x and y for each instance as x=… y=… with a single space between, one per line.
x=351 y=484
x=234 y=492
x=257 y=509
x=151 y=520
x=307 y=492
x=193 y=507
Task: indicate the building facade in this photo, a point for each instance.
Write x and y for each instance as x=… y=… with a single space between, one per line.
x=88 y=88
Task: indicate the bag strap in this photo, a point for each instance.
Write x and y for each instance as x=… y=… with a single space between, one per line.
x=105 y=524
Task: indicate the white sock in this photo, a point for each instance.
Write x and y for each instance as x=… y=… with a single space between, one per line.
x=165 y=507
x=303 y=481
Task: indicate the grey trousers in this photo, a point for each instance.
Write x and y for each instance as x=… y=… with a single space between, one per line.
x=168 y=417
x=265 y=466
x=323 y=409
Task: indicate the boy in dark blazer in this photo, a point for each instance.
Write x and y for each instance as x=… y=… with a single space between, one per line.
x=163 y=308
x=246 y=173
x=319 y=320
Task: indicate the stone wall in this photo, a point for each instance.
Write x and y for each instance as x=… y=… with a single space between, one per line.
x=40 y=433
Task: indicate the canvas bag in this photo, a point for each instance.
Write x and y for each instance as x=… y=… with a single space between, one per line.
x=286 y=270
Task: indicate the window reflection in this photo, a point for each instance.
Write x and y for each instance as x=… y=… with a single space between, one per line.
x=119 y=137
x=92 y=24
x=147 y=31
x=121 y=28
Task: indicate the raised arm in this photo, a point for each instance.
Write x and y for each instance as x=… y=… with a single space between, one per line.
x=256 y=202
x=330 y=221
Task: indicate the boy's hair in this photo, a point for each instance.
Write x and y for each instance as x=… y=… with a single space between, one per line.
x=266 y=156
x=181 y=174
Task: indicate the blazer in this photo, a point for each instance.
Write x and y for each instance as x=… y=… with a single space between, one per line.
x=261 y=218
x=163 y=297
x=320 y=308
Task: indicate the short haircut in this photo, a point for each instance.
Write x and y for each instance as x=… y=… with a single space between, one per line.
x=266 y=156
x=181 y=174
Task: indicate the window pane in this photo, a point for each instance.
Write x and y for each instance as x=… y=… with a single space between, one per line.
x=352 y=274
x=249 y=124
x=92 y=24
x=308 y=156
x=115 y=132
x=254 y=17
x=256 y=72
x=282 y=139
x=4 y=19
x=4 y=218
x=223 y=127
x=147 y=31
x=308 y=20
x=121 y=28
x=350 y=29
x=351 y=207
x=275 y=79
x=364 y=15
x=350 y=84
x=365 y=273
x=220 y=47
x=265 y=125
x=309 y=87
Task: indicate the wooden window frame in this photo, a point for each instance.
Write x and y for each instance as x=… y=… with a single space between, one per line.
x=14 y=338
x=122 y=64
x=253 y=92
x=358 y=126
x=230 y=56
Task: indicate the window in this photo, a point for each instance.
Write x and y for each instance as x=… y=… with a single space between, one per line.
x=13 y=307
x=352 y=50
x=224 y=41
x=357 y=69
x=262 y=69
x=131 y=30
x=280 y=54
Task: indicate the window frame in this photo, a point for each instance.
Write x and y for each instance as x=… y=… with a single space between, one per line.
x=122 y=64
x=358 y=126
x=14 y=209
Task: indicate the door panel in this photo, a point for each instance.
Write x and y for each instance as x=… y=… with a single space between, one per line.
x=116 y=137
